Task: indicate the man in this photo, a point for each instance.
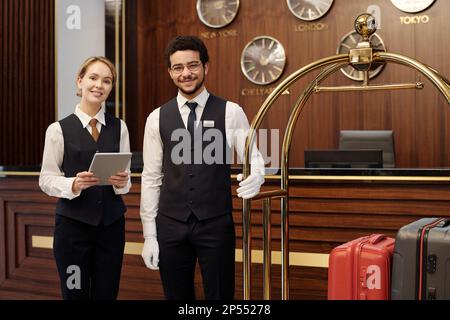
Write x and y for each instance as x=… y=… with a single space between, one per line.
x=186 y=207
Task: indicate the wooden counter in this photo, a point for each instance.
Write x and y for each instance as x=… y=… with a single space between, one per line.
x=324 y=212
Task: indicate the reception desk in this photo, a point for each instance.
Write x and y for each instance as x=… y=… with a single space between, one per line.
x=326 y=209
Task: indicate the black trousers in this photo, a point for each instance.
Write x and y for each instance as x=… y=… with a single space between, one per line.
x=89 y=258
x=211 y=242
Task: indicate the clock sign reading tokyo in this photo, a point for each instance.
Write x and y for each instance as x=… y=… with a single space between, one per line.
x=412 y=6
x=263 y=60
x=217 y=13
x=309 y=10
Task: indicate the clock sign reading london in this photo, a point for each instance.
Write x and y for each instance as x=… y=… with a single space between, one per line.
x=309 y=10
x=217 y=13
x=263 y=60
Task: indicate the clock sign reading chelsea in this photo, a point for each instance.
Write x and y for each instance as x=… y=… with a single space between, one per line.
x=263 y=60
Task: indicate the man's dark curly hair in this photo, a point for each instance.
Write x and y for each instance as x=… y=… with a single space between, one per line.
x=181 y=43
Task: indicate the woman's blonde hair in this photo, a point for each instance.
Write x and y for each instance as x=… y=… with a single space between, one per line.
x=82 y=71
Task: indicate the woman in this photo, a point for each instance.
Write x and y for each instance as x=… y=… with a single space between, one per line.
x=89 y=236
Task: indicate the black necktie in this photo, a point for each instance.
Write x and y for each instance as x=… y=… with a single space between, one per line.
x=191 y=119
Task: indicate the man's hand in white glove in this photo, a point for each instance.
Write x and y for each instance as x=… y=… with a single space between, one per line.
x=150 y=253
x=250 y=186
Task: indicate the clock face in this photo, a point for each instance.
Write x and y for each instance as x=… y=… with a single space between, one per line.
x=263 y=60
x=309 y=10
x=412 y=6
x=217 y=13
x=350 y=41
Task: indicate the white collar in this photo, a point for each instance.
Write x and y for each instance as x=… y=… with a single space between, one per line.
x=201 y=99
x=85 y=118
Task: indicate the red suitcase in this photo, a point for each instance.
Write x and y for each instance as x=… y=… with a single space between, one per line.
x=360 y=269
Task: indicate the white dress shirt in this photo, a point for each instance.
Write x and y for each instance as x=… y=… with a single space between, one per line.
x=52 y=180
x=236 y=128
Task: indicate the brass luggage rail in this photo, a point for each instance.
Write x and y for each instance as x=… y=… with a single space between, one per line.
x=360 y=58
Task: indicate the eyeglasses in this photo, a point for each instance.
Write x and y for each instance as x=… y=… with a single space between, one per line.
x=192 y=66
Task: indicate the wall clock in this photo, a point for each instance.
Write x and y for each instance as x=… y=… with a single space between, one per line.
x=412 y=6
x=263 y=60
x=350 y=41
x=217 y=13
x=309 y=10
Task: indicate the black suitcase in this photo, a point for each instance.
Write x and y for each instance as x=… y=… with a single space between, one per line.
x=421 y=266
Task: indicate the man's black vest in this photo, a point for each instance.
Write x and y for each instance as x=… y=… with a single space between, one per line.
x=202 y=189
x=99 y=203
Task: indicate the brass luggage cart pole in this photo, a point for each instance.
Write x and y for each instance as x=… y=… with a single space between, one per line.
x=362 y=59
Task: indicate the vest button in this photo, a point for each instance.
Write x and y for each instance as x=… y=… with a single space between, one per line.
x=191 y=175
x=191 y=202
x=99 y=202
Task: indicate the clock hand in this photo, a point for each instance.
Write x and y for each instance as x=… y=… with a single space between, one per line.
x=219 y=4
x=263 y=61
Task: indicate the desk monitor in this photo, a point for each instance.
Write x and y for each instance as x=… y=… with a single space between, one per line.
x=370 y=139
x=369 y=158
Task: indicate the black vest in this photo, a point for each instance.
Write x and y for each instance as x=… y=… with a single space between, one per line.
x=99 y=203
x=202 y=189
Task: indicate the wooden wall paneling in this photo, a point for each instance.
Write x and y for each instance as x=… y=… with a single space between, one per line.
x=3 y=48
x=2 y=242
x=134 y=113
x=9 y=67
x=11 y=242
x=446 y=132
x=402 y=103
x=27 y=86
x=25 y=276
x=7 y=147
x=430 y=104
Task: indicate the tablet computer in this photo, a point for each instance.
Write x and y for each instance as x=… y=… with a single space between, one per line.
x=106 y=164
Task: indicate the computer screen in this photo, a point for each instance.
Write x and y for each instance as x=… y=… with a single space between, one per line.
x=337 y=158
x=370 y=139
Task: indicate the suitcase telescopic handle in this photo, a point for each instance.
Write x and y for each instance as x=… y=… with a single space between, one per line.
x=375 y=238
x=443 y=224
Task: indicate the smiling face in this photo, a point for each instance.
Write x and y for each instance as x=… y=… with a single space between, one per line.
x=189 y=82
x=96 y=84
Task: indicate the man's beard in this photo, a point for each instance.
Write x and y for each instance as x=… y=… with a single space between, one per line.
x=197 y=87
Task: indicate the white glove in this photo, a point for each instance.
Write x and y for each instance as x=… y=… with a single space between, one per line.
x=250 y=186
x=150 y=253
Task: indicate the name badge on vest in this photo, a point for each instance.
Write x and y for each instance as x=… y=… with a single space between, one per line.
x=208 y=123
